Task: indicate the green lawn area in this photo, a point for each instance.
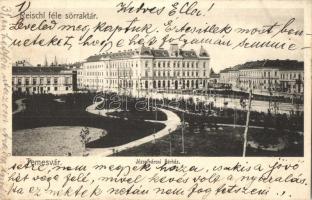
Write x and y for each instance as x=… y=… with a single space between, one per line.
x=204 y=138
x=43 y=111
x=200 y=142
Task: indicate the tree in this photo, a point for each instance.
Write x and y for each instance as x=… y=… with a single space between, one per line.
x=84 y=137
x=103 y=133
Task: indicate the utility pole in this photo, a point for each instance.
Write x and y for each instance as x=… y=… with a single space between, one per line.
x=182 y=133
x=155 y=110
x=247 y=123
x=117 y=79
x=170 y=145
x=270 y=92
x=234 y=115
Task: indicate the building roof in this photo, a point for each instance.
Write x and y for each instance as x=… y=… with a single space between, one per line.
x=147 y=51
x=269 y=64
x=30 y=70
x=226 y=70
x=279 y=64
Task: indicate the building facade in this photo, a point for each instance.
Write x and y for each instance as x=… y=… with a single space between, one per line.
x=266 y=76
x=229 y=76
x=292 y=81
x=28 y=79
x=146 y=69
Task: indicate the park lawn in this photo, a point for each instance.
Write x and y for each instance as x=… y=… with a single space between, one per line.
x=51 y=141
x=225 y=142
x=43 y=111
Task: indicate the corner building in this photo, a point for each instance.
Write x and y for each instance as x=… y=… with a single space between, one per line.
x=283 y=77
x=30 y=80
x=146 y=69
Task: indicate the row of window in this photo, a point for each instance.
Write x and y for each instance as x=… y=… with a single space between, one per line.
x=41 y=89
x=154 y=84
x=175 y=73
x=155 y=73
x=40 y=81
x=159 y=64
x=291 y=76
x=113 y=65
x=115 y=73
x=184 y=64
x=266 y=74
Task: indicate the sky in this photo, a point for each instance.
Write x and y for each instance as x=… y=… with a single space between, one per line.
x=236 y=15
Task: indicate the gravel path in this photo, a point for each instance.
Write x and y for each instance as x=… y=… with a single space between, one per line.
x=172 y=123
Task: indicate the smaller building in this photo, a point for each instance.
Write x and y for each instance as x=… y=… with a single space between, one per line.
x=230 y=76
x=292 y=80
x=28 y=79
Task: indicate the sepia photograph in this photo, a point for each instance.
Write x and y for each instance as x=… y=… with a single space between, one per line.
x=135 y=99
x=191 y=89
x=158 y=102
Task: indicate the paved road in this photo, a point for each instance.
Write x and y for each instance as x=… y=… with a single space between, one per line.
x=256 y=105
x=172 y=123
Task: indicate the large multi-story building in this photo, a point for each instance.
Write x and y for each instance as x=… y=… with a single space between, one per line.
x=146 y=69
x=42 y=80
x=266 y=76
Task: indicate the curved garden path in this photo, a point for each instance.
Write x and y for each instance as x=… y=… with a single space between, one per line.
x=20 y=106
x=171 y=124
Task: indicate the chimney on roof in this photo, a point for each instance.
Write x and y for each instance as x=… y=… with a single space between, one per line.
x=55 y=61
x=203 y=52
x=174 y=49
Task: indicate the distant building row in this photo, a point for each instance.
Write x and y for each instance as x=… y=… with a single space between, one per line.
x=266 y=76
x=147 y=69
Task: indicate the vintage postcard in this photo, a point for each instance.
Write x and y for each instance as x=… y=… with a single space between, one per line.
x=134 y=99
